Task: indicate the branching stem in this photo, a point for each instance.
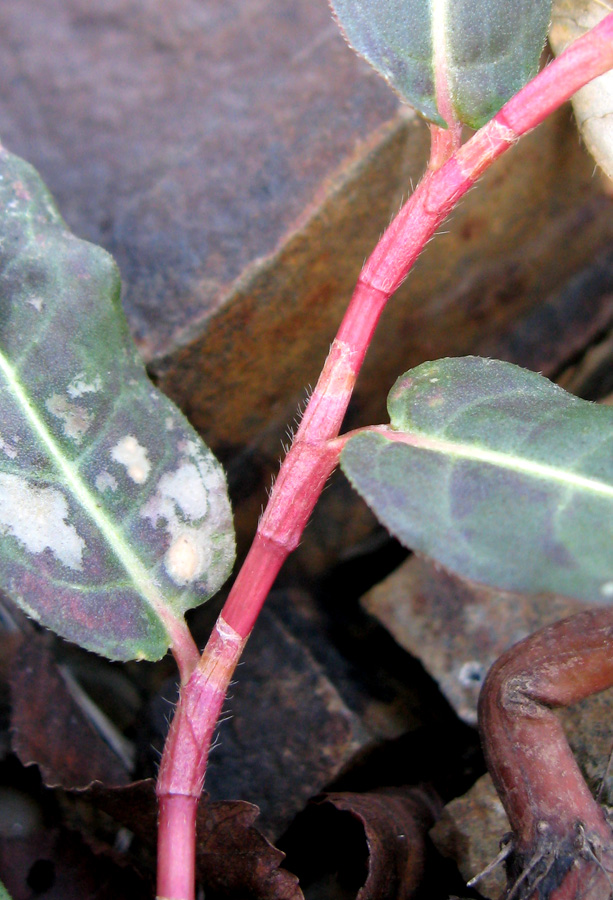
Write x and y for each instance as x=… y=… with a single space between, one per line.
x=314 y=454
x=552 y=813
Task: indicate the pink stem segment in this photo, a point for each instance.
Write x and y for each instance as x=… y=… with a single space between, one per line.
x=314 y=454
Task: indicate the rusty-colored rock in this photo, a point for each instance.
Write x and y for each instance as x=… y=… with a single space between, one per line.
x=469 y=832
x=288 y=732
x=471 y=827
x=240 y=162
x=457 y=629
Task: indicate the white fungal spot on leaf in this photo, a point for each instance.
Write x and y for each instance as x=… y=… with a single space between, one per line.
x=6 y=448
x=37 y=518
x=183 y=560
x=607 y=589
x=184 y=488
x=36 y=302
x=105 y=481
x=79 y=386
x=76 y=420
x=182 y=502
x=133 y=456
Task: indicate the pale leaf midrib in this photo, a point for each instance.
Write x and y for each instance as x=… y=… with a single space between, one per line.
x=542 y=471
x=440 y=50
x=134 y=568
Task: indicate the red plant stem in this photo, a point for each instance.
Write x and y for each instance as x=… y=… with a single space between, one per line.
x=183 y=765
x=528 y=757
x=311 y=457
x=177 y=816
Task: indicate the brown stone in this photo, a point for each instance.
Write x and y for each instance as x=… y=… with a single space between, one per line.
x=287 y=732
x=457 y=630
x=469 y=832
x=240 y=163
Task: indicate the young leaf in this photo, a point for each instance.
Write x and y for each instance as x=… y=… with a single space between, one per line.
x=480 y=52
x=593 y=104
x=496 y=473
x=114 y=517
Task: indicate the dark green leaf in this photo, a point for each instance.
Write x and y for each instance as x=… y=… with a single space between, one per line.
x=498 y=474
x=114 y=515
x=484 y=50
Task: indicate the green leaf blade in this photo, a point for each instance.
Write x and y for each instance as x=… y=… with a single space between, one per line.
x=114 y=516
x=493 y=51
x=483 y=50
x=496 y=473
x=395 y=37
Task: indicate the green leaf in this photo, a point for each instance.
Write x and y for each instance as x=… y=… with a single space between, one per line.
x=4 y=894
x=483 y=50
x=496 y=473
x=593 y=104
x=113 y=514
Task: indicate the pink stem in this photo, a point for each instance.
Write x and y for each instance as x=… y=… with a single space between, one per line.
x=176 y=859
x=313 y=456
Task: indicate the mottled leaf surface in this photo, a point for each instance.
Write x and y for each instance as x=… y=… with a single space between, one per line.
x=114 y=516
x=593 y=104
x=498 y=474
x=484 y=51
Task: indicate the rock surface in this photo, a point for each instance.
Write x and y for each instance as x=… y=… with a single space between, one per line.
x=240 y=163
x=458 y=630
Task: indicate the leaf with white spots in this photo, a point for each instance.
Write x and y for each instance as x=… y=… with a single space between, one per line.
x=114 y=516
x=496 y=473
x=473 y=53
x=593 y=104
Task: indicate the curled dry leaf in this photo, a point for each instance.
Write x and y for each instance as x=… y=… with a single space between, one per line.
x=51 y=728
x=375 y=841
x=57 y=864
x=234 y=859
x=593 y=104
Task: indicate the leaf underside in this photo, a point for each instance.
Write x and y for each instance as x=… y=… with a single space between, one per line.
x=114 y=516
x=593 y=104
x=484 y=50
x=496 y=473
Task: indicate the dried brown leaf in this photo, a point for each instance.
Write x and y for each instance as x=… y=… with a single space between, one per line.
x=57 y=864
x=375 y=842
x=51 y=728
x=234 y=860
